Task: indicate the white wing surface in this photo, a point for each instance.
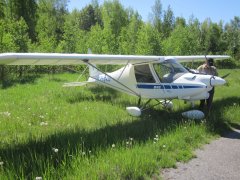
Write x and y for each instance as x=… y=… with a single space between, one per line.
x=70 y=59
x=200 y=57
x=75 y=59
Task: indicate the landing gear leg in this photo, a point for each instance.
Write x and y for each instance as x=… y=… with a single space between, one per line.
x=139 y=101
x=144 y=105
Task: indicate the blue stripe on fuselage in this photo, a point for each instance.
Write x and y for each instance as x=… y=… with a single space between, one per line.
x=155 y=86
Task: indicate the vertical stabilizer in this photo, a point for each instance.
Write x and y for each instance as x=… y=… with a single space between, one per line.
x=93 y=72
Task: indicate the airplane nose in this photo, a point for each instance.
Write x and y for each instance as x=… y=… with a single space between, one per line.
x=217 y=81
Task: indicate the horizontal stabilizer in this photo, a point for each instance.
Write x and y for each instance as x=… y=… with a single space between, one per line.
x=75 y=84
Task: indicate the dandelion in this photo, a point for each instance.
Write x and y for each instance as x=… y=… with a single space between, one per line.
x=164 y=146
x=131 y=139
x=38 y=178
x=55 y=150
x=203 y=121
x=43 y=123
x=234 y=104
x=1 y=163
x=29 y=109
x=113 y=146
x=127 y=143
x=155 y=139
x=6 y=113
x=41 y=116
x=83 y=153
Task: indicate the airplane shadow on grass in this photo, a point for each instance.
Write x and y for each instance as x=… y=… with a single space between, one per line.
x=103 y=94
x=29 y=78
x=36 y=154
x=26 y=79
x=216 y=120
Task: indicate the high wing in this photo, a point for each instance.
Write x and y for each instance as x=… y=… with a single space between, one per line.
x=70 y=59
x=200 y=57
x=75 y=59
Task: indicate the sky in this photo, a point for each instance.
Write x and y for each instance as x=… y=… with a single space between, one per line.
x=216 y=10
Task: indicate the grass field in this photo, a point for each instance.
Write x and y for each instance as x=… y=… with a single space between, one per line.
x=85 y=133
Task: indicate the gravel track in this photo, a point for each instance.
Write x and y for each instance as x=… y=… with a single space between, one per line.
x=219 y=160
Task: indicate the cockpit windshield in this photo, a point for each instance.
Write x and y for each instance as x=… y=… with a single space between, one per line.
x=169 y=70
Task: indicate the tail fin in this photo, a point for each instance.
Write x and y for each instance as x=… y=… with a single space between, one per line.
x=93 y=71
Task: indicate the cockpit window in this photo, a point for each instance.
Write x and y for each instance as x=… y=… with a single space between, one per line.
x=143 y=74
x=169 y=70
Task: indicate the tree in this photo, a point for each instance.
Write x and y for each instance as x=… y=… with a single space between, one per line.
x=90 y=16
x=149 y=41
x=25 y=9
x=13 y=38
x=232 y=37
x=71 y=30
x=2 y=8
x=114 y=16
x=87 y=18
x=7 y=43
x=128 y=36
x=157 y=15
x=182 y=41
x=50 y=24
x=98 y=40
x=212 y=37
x=180 y=21
x=168 y=22
x=97 y=12
x=194 y=33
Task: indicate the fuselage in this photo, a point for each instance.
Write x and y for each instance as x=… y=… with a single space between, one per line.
x=162 y=80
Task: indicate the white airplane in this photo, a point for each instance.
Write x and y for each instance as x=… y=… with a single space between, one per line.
x=151 y=77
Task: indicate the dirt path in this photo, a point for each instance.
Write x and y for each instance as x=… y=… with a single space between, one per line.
x=219 y=160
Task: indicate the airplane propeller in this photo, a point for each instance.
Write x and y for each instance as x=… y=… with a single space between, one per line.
x=226 y=75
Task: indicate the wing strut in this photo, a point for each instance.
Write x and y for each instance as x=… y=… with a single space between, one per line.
x=123 y=70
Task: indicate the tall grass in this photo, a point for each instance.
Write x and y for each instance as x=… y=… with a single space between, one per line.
x=85 y=133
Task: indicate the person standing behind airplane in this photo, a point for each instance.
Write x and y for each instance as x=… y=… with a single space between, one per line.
x=208 y=68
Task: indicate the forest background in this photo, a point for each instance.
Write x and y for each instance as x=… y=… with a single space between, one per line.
x=110 y=28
